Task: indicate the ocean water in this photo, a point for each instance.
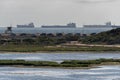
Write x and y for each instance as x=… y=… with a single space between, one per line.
x=56 y=30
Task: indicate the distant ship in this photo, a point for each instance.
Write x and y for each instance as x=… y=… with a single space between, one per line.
x=107 y=25
x=70 y=25
x=30 y=25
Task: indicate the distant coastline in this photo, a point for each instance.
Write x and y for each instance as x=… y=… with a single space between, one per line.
x=104 y=41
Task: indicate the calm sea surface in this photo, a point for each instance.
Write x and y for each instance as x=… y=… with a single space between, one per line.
x=56 y=30
x=101 y=73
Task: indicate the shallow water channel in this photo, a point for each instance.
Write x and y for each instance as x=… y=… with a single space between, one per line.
x=19 y=73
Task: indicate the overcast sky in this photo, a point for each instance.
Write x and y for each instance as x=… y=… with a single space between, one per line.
x=49 y=12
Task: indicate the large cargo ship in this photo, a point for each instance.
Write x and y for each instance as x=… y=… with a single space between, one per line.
x=70 y=25
x=31 y=25
x=107 y=25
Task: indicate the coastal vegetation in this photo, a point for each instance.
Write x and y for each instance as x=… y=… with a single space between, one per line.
x=57 y=42
x=107 y=37
x=66 y=63
x=43 y=39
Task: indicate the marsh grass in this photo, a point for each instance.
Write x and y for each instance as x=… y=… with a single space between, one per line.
x=36 y=48
x=66 y=63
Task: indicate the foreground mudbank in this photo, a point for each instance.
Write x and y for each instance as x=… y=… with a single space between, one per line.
x=65 y=64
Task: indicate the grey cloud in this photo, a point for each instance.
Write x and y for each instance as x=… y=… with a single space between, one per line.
x=95 y=1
